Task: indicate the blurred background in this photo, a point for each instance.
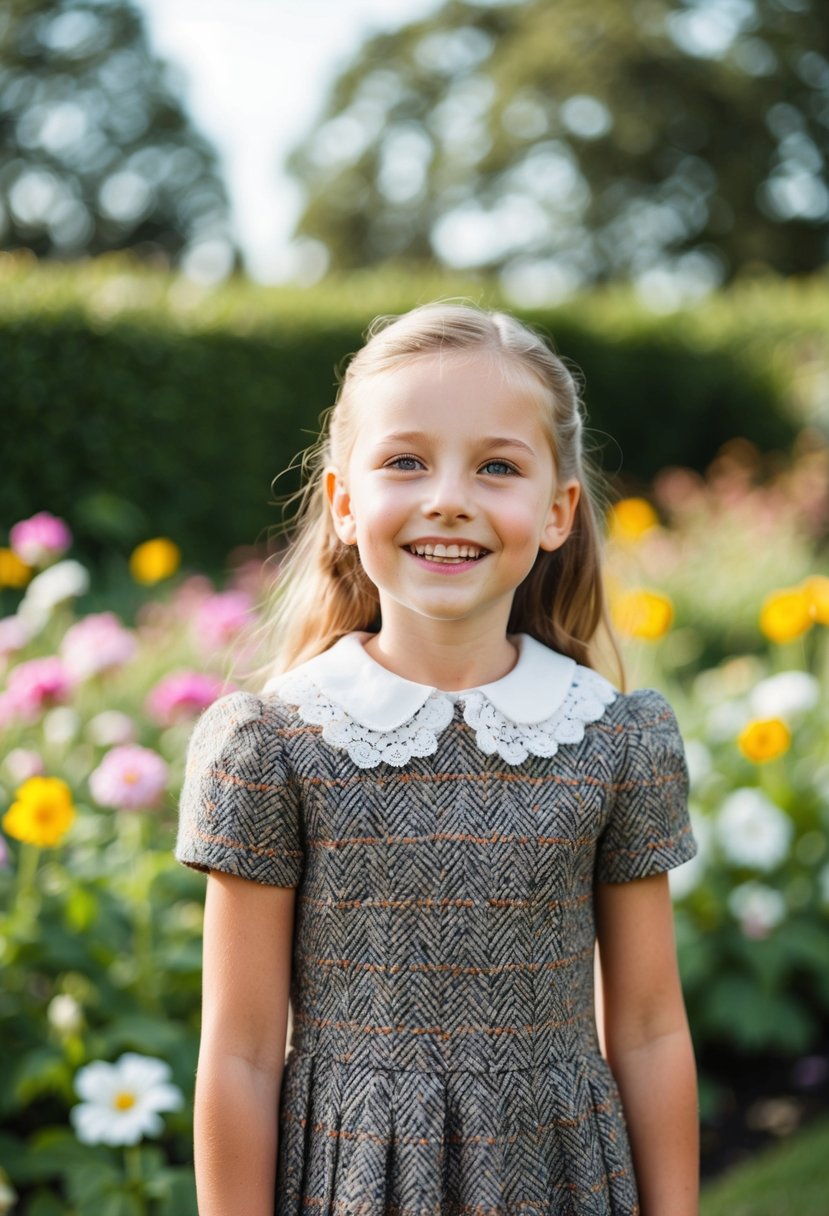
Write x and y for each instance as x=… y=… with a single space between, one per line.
x=202 y=206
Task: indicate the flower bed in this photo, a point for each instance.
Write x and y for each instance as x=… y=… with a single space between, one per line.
x=717 y=589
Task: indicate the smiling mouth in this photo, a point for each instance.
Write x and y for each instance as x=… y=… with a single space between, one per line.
x=447 y=554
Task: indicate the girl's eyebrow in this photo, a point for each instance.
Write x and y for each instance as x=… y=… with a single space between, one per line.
x=494 y=441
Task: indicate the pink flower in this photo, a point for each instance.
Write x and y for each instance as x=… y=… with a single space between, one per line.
x=129 y=778
x=192 y=592
x=182 y=695
x=41 y=539
x=4 y=854
x=8 y=711
x=219 y=618
x=97 y=643
x=35 y=685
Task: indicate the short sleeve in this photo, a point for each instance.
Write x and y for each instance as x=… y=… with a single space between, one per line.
x=648 y=829
x=239 y=810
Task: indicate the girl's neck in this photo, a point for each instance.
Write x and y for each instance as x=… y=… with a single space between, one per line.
x=442 y=655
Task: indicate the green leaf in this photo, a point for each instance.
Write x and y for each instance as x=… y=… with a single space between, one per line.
x=42 y=1071
x=741 y=1010
x=178 y=1195
x=45 y=1203
x=88 y=1184
x=121 y=1203
x=143 y=1033
x=81 y=909
x=53 y=1151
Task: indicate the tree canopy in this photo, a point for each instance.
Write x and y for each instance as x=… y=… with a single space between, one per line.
x=595 y=141
x=96 y=152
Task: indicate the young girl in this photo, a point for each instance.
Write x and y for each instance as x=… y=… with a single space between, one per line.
x=421 y=826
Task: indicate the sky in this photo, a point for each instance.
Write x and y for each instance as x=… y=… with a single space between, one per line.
x=256 y=74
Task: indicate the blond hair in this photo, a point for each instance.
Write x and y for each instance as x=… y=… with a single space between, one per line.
x=322 y=592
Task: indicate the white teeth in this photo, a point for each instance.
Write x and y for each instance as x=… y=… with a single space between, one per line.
x=443 y=553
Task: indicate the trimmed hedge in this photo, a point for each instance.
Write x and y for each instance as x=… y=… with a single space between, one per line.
x=137 y=404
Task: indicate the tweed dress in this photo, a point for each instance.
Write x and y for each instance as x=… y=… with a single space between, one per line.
x=444 y=849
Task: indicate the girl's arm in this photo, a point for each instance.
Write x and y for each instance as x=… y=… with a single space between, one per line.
x=248 y=933
x=648 y=1043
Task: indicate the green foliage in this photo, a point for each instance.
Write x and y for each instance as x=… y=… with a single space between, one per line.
x=136 y=404
x=96 y=152
x=587 y=142
x=789 y=1180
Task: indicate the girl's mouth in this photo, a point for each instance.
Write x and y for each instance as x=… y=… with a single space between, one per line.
x=453 y=555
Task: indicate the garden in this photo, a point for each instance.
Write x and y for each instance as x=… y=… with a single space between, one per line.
x=115 y=635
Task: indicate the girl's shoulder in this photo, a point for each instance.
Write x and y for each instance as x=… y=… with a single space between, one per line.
x=235 y=717
x=642 y=709
x=645 y=731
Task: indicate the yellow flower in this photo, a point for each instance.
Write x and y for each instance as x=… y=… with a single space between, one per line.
x=643 y=614
x=817 y=589
x=13 y=570
x=42 y=814
x=154 y=560
x=631 y=518
x=786 y=614
x=764 y=739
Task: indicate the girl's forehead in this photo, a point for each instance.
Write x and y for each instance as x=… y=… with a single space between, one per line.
x=450 y=389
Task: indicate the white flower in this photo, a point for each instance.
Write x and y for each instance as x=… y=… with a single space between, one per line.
x=8 y=1195
x=111 y=727
x=122 y=1101
x=683 y=879
x=758 y=908
x=726 y=720
x=51 y=587
x=65 y=1014
x=686 y=877
x=698 y=758
x=752 y=830
x=61 y=725
x=785 y=695
x=22 y=763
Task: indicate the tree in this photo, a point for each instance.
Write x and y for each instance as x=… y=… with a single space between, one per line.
x=594 y=141
x=96 y=152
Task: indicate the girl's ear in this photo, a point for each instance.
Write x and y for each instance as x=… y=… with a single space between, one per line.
x=561 y=516
x=339 y=504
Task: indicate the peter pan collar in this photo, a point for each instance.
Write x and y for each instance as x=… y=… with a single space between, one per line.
x=377 y=715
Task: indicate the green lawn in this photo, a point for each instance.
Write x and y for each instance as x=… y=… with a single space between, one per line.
x=791 y=1179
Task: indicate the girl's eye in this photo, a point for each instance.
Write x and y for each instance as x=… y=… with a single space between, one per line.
x=497 y=466
x=405 y=463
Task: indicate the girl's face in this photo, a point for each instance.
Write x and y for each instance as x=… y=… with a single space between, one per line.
x=450 y=490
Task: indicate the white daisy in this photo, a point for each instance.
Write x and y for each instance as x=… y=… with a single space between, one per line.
x=758 y=908
x=785 y=695
x=51 y=587
x=122 y=1101
x=753 y=831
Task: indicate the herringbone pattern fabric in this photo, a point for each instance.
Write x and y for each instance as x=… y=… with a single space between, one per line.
x=444 y=1059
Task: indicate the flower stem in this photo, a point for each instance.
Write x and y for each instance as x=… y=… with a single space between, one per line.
x=138 y=890
x=26 y=895
x=132 y=1160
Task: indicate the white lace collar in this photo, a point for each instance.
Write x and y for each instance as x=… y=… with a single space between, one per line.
x=377 y=716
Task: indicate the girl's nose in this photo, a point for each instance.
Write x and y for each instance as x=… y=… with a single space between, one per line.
x=448 y=499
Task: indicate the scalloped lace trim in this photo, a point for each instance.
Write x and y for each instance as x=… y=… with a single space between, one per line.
x=585 y=701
